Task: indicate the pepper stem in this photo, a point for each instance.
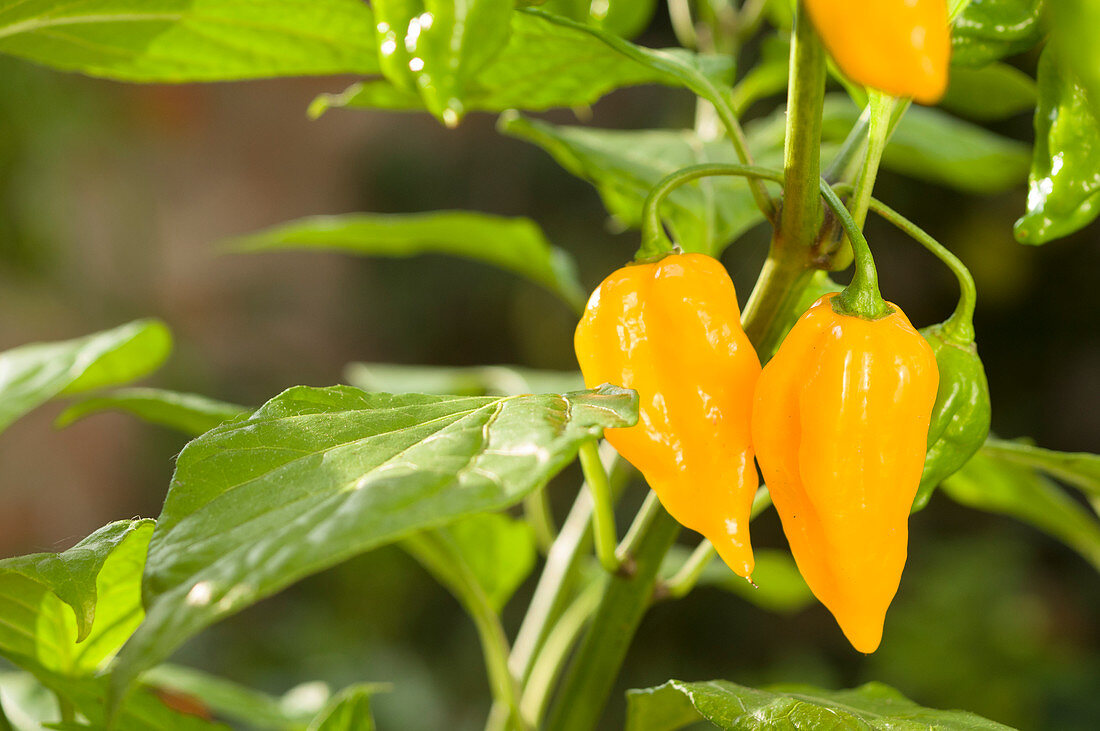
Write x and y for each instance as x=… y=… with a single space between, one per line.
x=603 y=515
x=861 y=298
x=960 y=326
x=655 y=243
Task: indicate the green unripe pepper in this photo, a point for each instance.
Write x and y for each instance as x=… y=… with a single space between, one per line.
x=960 y=418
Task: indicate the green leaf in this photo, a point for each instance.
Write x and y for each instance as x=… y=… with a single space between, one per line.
x=545 y=64
x=1064 y=184
x=192 y=40
x=27 y=703
x=992 y=93
x=499 y=550
x=624 y=166
x=237 y=703
x=515 y=244
x=933 y=146
x=318 y=475
x=348 y=711
x=1079 y=469
x=142 y=711
x=31 y=375
x=997 y=485
x=779 y=585
x=50 y=598
x=991 y=29
x=438 y=47
x=185 y=412
x=626 y=18
x=64 y=615
x=460 y=381
x=730 y=706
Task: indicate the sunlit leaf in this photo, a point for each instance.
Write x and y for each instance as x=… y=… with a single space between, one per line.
x=735 y=707
x=316 y=476
x=192 y=40
x=990 y=29
x=515 y=244
x=1064 y=185
x=31 y=375
x=436 y=48
x=545 y=64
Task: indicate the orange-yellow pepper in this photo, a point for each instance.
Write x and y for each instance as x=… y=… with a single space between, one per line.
x=671 y=330
x=840 y=427
x=901 y=47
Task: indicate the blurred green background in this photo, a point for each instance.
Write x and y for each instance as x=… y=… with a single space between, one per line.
x=113 y=199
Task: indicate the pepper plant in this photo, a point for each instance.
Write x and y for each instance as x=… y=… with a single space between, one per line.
x=453 y=465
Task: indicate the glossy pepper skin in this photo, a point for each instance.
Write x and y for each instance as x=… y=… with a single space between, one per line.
x=840 y=426
x=671 y=330
x=901 y=47
x=960 y=418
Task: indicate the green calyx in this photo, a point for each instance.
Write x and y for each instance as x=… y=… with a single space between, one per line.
x=961 y=415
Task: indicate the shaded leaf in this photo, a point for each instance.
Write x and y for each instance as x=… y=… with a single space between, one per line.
x=515 y=244
x=995 y=485
x=991 y=29
x=459 y=380
x=185 y=412
x=779 y=585
x=936 y=147
x=31 y=375
x=704 y=215
x=192 y=40
x=730 y=706
x=316 y=476
x=990 y=93
x=545 y=64
x=1080 y=469
x=1064 y=183
x=235 y=702
x=348 y=711
x=499 y=550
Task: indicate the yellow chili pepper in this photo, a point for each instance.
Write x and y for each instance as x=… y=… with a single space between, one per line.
x=671 y=330
x=840 y=426
x=901 y=47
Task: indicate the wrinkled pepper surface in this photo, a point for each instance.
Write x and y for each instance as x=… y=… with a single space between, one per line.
x=901 y=47
x=840 y=426
x=671 y=330
x=961 y=416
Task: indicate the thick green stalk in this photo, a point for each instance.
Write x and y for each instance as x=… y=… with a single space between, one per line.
x=787 y=270
x=592 y=673
x=801 y=216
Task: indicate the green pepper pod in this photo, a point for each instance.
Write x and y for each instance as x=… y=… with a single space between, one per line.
x=961 y=416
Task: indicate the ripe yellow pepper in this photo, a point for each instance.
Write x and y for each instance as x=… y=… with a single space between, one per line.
x=671 y=330
x=840 y=427
x=901 y=47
